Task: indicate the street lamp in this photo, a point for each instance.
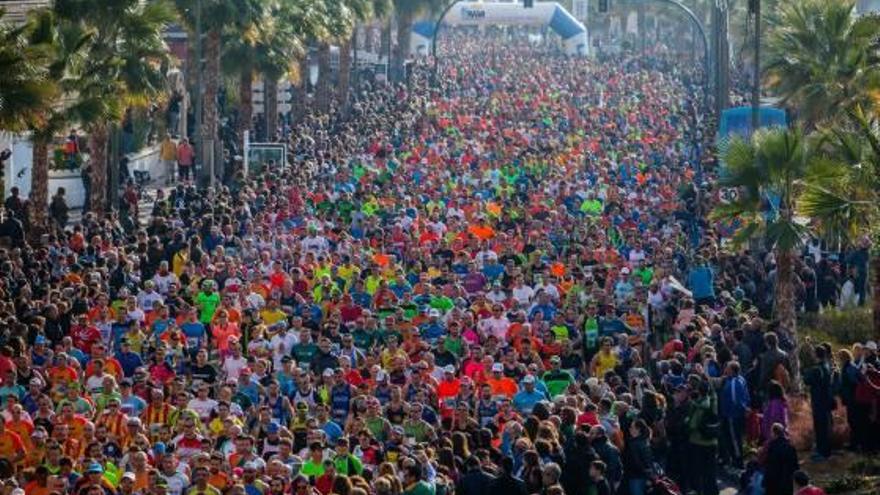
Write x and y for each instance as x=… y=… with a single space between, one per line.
x=755 y=10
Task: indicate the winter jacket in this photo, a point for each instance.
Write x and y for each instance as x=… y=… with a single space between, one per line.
x=733 y=399
x=637 y=459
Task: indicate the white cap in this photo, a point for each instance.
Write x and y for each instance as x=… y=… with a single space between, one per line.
x=381 y=375
x=449 y=369
x=434 y=312
x=871 y=345
x=498 y=367
x=529 y=379
x=624 y=270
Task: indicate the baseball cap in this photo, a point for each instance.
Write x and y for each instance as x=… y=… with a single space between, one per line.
x=498 y=367
x=273 y=427
x=129 y=476
x=871 y=345
x=95 y=468
x=529 y=379
x=555 y=359
x=328 y=372
x=449 y=369
x=624 y=270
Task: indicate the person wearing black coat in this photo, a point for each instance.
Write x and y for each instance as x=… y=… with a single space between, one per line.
x=475 y=481
x=575 y=474
x=820 y=380
x=506 y=482
x=780 y=463
x=638 y=461
x=608 y=453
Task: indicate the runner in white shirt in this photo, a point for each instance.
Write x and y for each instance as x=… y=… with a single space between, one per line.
x=522 y=293
x=496 y=325
x=202 y=404
x=281 y=343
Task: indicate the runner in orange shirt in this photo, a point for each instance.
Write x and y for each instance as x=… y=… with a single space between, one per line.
x=11 y=445
x=500 y=384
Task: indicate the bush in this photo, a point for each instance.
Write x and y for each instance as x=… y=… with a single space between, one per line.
x=844 y=484
x=842 y=328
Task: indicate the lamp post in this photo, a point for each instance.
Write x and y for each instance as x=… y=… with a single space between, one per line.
x=755 y=8
x=197 y=135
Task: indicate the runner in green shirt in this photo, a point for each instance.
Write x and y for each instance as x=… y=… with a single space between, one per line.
x=207 y=301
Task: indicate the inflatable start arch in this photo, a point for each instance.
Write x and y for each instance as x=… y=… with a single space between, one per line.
x=549 y=14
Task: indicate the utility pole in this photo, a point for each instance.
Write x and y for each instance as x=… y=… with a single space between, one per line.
x=197 y=135
x=756 y=83
x=720 y=18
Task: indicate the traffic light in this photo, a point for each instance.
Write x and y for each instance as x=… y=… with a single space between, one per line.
x=603 y=6
x=528 y=4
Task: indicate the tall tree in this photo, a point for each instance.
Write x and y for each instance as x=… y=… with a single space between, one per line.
x=67 y=48
x=821 y=57
x=215 y=17
x=844 y=199
x=26 y=89
x=363 y=11
x=405 y=13
x=768 y=171
x=123 y=69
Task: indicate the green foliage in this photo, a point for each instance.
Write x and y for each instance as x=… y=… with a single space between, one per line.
x=26 y=89
x=59 y=162
x=841 y=328
x=821 y=58
x=866 y=466
x=772 y=163
x=845 y=483
x=845 y=199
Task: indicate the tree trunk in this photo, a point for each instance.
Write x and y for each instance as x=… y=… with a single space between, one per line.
x=210 y=111
x=401 y=51
x=322 y=93
x=98 y=139
x=785 y=310
x=39 y=196
x=270 y=95
x=345 y=59
x=245 y=103
x=301 y=90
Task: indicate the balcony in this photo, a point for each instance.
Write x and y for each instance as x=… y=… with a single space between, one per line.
x=16 y=10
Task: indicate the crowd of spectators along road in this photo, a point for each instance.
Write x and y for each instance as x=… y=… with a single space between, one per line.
x=503 y=283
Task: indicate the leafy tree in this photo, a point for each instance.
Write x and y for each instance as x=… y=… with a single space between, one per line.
x=768 y=171
x=821 y=57
x=123 y=68
x=844 y=200
x=26 y=89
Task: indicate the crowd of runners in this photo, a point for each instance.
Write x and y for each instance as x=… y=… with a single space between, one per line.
x=499 y=280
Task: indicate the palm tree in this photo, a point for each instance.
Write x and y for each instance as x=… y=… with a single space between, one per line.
x=66 y=46
x=845 y=199
x=26 y=89
x=217 y=17
x=769 y=171
x=405 y=13
x=363 y=10
x=343 y=16
x=123 y=68
x=821 y=57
